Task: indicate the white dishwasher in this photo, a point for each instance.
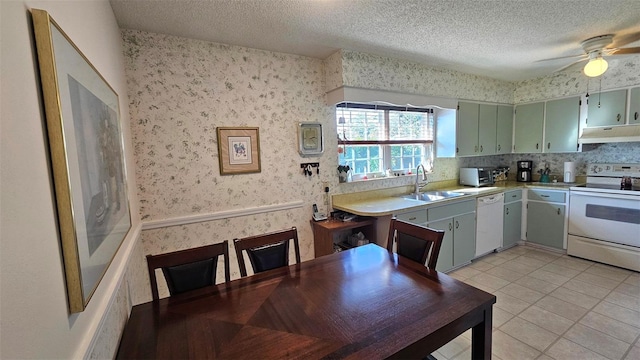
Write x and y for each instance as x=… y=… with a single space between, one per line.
x=489 y=223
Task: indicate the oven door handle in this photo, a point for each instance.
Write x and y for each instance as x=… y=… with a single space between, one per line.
x=603 y=195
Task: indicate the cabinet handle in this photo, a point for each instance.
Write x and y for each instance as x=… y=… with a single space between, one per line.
x=635 y=116
x=475 y=149
x=558 y=211
x=618 y=117
x=412 y=218
x=499 y=144
x=457 y=150
x=507 y=211
x=481 y=148
x=549 y=145
x=537 y=145
x=514 y=195
x=457 y=224
x=450 y=227
x=544 y=195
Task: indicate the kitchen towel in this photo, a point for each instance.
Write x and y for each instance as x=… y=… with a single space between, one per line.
x=569 y=172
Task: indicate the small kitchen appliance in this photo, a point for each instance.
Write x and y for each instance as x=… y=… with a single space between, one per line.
x=476 y=176
x=569 y=172
x=525 y=167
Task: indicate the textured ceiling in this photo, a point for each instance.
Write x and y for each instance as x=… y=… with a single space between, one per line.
x=501 y=39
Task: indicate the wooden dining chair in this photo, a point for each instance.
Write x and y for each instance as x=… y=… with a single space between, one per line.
x=415 y=242
x=267 y=251
x=189 y=269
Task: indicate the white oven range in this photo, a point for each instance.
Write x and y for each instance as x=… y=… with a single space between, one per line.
x=604 y=216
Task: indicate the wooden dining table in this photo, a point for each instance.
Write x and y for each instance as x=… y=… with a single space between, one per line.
x=362 y=303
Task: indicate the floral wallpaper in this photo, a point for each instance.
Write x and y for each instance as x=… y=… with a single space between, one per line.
x=376 y=72
x=134 y=283
x=622 y=73
x=180 y=90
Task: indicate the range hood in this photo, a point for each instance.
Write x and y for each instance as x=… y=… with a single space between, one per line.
x=610 y=134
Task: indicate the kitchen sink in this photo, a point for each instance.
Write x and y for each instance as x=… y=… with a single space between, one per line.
x=432 y=195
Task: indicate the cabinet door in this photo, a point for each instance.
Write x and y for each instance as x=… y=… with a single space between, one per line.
x=561 y=122
x=545 y=224
x=445 y=258
x=512 y=223
x=634 y=110
x=528 y=128
x=487 y=122
x=464 y=238
x=607 y=108
x=467 y=129
x=504 y=129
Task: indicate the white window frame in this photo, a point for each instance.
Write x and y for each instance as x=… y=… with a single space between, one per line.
x=386 y=144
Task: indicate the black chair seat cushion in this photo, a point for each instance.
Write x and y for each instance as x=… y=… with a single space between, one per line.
x=191 y=276
x=269 y=257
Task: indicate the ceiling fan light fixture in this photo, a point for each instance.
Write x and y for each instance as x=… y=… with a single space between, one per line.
x=596 y=67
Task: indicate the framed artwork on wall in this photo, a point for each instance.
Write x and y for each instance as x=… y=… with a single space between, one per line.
x=87 y=157
x=238 y=150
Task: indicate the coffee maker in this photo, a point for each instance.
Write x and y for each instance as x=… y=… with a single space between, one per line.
x=525 y=167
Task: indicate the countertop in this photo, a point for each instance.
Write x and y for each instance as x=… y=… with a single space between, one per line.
x=386 y=202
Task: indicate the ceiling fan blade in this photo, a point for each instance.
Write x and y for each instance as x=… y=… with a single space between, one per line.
x=563 y=57
x=572 y=65
x=626 y=51
x=623 y=40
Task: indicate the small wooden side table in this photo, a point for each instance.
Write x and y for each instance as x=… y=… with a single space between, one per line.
x=324 y=231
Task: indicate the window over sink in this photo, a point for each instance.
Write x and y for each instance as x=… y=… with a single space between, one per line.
x=374 y=138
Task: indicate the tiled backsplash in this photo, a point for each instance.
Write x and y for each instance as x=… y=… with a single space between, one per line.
x=600 y=153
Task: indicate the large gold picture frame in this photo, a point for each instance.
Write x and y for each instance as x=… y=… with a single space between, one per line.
x=238 y=150
x=87 y=157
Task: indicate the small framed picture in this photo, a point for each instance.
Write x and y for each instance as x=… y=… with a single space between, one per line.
x=238 y=150
x=310 y=139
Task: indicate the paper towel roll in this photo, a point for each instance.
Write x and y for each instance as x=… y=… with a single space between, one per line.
x=569 y=172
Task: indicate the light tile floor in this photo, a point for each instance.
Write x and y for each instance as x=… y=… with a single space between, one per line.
x=553 y=306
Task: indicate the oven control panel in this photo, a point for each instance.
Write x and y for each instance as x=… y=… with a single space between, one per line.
x=614 y=170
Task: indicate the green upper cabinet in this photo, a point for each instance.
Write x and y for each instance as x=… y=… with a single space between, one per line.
x=562 y=119
x=467 y=129
x=529 y=123
x=478 y=128
x=504 y=129
x=607 y=108
x=634 y=106
x=487 y=121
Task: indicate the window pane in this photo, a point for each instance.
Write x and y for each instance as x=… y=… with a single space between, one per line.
x=360 y=124
x=407 y=157
x=407 y=125
x=362 y=159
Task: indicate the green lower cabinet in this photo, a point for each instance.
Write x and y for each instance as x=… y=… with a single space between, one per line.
x=464 y=238
x=459 y=243
x=545 y=224
x=445 y=258
x=512 y=224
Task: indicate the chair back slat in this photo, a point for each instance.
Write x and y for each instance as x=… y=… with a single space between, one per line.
x=189 y=269
x=418 y=243
x=267 y=251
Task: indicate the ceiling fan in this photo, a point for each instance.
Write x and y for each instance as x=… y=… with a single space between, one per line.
x=596 y=48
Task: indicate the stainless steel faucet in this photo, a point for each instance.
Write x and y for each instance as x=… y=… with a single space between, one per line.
x=424 y=178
